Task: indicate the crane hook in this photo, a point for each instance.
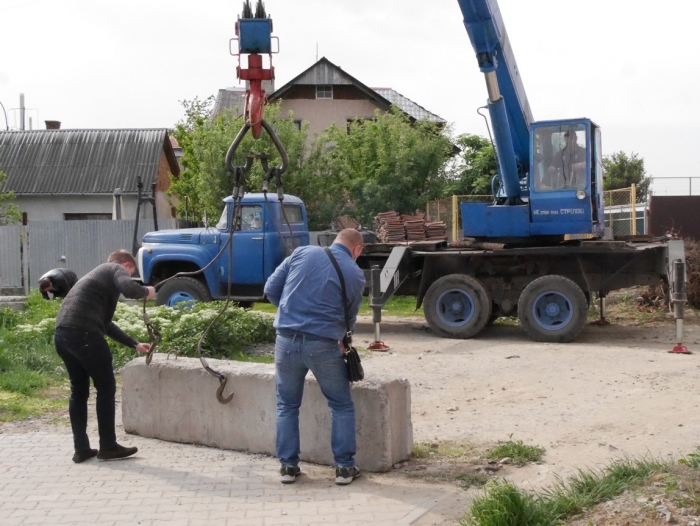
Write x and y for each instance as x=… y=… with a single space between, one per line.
x=220 y=391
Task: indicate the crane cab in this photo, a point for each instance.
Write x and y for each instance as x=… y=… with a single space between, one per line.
x=566 y=178
x=560 y=194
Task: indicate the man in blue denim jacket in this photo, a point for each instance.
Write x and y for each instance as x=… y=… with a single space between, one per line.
x=310 y=325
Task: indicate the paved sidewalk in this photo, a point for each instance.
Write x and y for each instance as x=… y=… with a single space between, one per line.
x=175 y=484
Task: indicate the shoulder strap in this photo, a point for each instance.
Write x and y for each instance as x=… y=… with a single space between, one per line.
x=348 y=333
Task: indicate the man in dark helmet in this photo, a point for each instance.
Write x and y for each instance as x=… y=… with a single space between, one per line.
x=57 y=283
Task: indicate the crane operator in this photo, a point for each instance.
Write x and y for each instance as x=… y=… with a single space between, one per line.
x=567 y=168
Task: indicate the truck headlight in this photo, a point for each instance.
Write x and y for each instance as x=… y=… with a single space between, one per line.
x=580 y=194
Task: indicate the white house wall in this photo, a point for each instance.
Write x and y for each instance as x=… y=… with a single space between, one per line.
x=53 y=208
x=321 y=113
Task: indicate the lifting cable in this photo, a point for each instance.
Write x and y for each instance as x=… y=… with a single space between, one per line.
x=239 y=174
x=253 y=122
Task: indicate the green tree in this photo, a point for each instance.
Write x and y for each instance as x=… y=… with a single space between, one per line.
x=205 y=142
x=376 y=165
x=388 y=163
x=622 y=171
x=474 y=168
x=9 y=213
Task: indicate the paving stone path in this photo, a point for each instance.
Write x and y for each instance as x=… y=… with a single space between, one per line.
x=176 y=484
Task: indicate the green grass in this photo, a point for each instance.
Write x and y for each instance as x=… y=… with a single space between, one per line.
x=449 y=461
x=30 y=369
x=16 y=406
x=396 y=306
x=519 y=452
x=504 y=504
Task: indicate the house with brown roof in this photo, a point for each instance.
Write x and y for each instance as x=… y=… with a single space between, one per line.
x=324 y=94
x=74 y=174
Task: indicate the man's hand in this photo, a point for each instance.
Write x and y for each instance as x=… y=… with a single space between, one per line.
x=143 y=348
x=151 y=293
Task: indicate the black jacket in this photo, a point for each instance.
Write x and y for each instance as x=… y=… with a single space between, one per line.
x=62 y=280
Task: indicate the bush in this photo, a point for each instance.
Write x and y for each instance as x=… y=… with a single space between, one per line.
x=28 y=359
x=692 y=256
x=182 y=328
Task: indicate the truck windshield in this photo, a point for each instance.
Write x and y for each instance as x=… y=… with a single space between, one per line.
x=560 y=158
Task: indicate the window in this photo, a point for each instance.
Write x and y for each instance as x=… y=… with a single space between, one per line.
x=297 y=125
x=560 y=156
x=84 y=217
x=293 y=214
x=324 y=91
x=251 y=218
x=223 y=220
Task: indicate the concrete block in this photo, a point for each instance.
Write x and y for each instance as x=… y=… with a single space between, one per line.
x=175 y=400
x=13 y=302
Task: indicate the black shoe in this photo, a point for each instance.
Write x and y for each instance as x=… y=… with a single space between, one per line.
x=116 y=452
x=288 y=474
x=80 y=456
x=344 y=476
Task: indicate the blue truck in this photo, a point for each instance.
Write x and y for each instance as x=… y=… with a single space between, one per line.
x=259 y=244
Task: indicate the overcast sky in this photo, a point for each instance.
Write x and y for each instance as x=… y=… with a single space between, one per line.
x=632 y=66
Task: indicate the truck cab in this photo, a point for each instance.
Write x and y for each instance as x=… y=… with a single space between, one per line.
x=268 y=230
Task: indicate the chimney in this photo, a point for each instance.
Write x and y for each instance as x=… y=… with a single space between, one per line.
x=53 y=125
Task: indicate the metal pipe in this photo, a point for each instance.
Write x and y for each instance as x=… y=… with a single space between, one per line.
x=21 y=111
x=375 y=297
x=492 y=86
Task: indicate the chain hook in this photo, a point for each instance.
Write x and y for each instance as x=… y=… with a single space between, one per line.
x=220 y=391
x=154 y=334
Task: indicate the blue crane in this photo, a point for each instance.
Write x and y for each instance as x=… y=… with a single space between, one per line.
x=550 y=173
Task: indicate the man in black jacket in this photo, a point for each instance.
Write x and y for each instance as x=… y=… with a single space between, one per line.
x=58 y=282
x=84 y=318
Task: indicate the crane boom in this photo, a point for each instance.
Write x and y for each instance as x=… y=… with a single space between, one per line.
x=508 y=105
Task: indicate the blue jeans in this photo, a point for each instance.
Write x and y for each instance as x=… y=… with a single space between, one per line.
x=88 y=356
x=293 y=359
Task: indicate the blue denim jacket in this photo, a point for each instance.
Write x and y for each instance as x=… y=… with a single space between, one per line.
x=305 y=288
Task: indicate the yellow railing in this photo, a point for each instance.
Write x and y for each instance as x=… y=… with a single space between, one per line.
x=620 y=211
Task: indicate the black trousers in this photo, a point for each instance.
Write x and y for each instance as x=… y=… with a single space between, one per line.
x=88 y=356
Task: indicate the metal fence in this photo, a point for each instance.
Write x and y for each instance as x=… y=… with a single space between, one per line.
x=623 y=216
x=676 y=186
x=10 y=260
x=447 y=211
x=77 y=245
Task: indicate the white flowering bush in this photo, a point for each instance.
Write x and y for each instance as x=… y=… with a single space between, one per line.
x=182 y=328
x=28 y=360
x=27 y=356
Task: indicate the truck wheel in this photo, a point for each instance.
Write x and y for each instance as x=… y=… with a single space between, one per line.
x=181 y=290
x=457 y=306
x=552 y=309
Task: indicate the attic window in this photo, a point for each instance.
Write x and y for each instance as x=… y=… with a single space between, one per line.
x=324 y=91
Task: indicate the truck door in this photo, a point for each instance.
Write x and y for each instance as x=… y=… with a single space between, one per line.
x=248 y=248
